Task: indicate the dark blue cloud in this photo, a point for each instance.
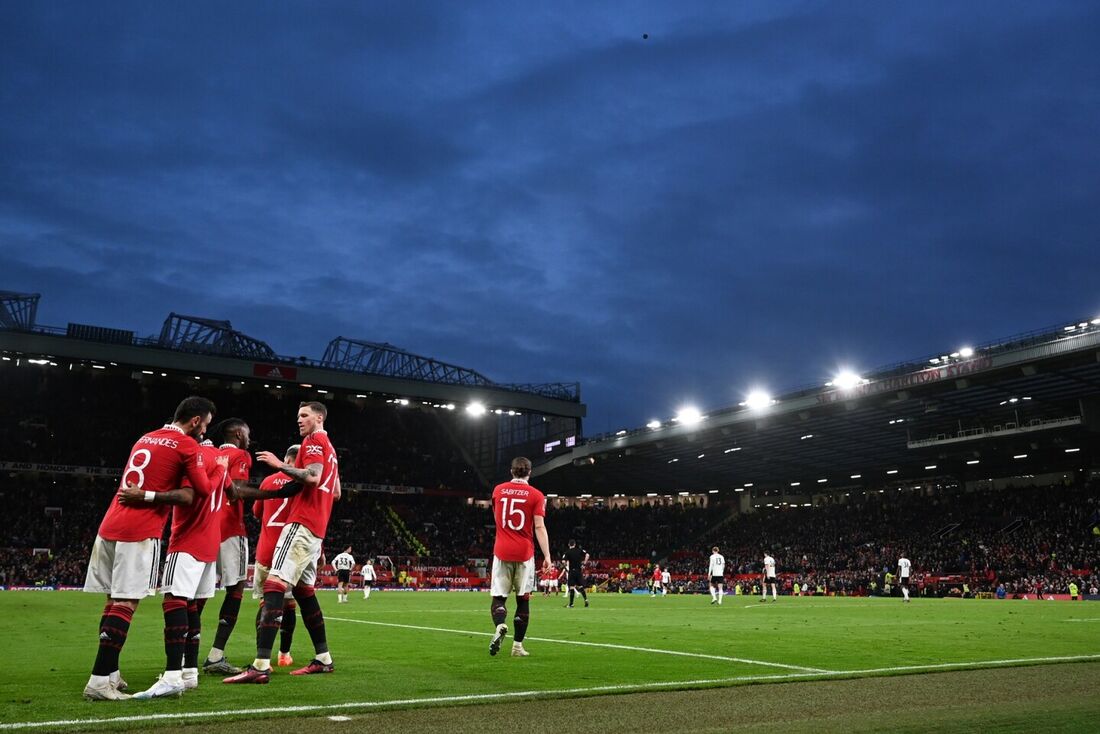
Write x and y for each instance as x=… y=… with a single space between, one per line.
x=755 y=194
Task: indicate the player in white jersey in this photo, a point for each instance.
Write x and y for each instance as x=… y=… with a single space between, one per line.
x=717 y=572
x=666 y=579
x=343 y=563
x=769 y=578
x=369 y=577
x=903 y=576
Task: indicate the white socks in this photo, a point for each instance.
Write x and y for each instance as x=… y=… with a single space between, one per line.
x=324 y=657
x=905 y=593
x=215 y=655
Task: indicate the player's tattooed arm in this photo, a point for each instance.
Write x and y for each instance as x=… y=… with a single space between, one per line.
x=309 y=475
x=133 y=495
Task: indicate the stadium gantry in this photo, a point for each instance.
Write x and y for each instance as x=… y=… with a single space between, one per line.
x=1013 y=407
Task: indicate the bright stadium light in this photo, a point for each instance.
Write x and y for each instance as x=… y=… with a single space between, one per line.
x=689 y=416
x=758 y=400
x=846 y=380
x=475 y=409
x=653 y=424
x=966 y=352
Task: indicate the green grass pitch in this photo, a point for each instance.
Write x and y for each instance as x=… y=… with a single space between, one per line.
x=415 y=650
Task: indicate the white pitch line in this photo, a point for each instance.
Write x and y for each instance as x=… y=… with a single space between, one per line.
x=489 y=697
x=1093 y=619
x=608 y=645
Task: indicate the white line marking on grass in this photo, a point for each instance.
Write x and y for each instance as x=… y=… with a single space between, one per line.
x=978 y=664
x=504 y=696
x=1092 y=619
x=609 y=645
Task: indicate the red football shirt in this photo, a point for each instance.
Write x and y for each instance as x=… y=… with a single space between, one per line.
x=232 y=515
x=158 y=462
x=271 y=514
x=313 y=505
x=656 y=574
x=515 y=506
x=195 y=528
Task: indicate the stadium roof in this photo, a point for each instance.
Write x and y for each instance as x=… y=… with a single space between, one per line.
x=213 y=347
x=1014 y=407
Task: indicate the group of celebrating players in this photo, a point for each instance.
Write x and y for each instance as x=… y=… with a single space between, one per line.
x=202 y=489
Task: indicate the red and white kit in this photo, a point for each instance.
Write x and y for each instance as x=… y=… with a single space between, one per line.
x=233 y=553
x=516 y=504
x=126 y=553
x=190 y=568
x=299 y=545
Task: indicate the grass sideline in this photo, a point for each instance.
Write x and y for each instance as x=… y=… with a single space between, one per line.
x=417 y=650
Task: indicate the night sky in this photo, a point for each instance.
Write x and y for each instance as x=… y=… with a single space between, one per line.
x=753 y=196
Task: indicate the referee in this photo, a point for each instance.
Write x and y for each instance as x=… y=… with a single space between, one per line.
x=575 y=558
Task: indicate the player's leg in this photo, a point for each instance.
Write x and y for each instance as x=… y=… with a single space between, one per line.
x=106 y=681
x=721 y=592
x=191 y=649
x=905 y=589
x=524 y=585
x=582 y=592
x=286 y=632
x=519 y=623
x=312 y=617
x=501 y=585
x=126 y=573
x=287 y=565
x=181 y=582
x=233 y=569
x=195 y=606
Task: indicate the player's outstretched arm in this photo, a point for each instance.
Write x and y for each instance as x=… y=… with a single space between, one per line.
x=132 y=496
x=262 y=495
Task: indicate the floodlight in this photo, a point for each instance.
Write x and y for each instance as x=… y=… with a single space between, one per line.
x=653 y=424
x=475 y=409
x=966 y=352
x=847 y=379
x=758 y=400
x=689 y=416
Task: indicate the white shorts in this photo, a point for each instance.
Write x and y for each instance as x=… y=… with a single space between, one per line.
x=259 y=576
x=122 y=569
x=188 y=577
x=510 y=577
x=296 y=554
x=233 y=561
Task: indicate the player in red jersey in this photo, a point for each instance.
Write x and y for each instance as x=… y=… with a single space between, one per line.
x=655 y=587
x=234 y=436
x=272 y=517
x=519 y=511
x=189 y=574
x=316 y=485
x=126 y=553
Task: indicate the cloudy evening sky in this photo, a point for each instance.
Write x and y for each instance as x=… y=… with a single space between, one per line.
x=754 y=195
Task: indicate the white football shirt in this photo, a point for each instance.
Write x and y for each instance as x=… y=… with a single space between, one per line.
x=666 y=577
x=769 y=566
x=717 y=565
x=343 y=562
x=903 y=567
x=368 y=572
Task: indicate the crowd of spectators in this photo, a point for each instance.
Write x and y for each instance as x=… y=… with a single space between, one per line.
x=990 y=536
